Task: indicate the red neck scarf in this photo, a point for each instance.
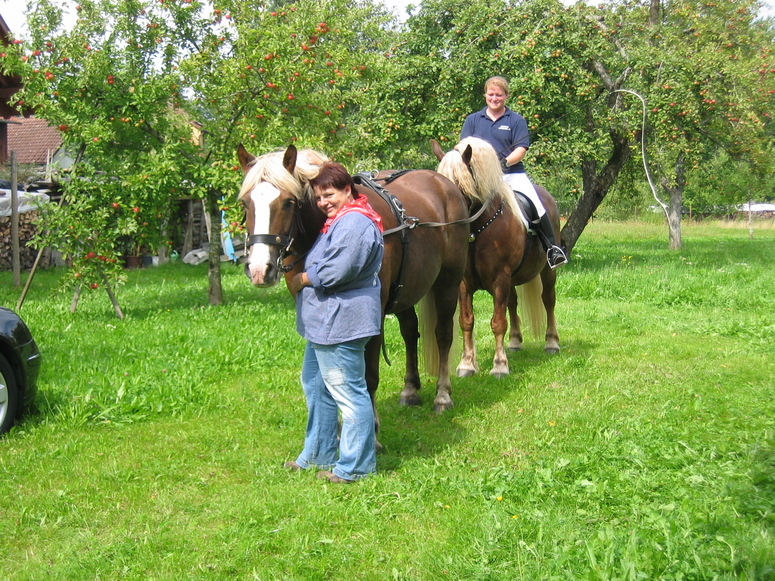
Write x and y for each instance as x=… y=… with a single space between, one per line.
x=360 y=205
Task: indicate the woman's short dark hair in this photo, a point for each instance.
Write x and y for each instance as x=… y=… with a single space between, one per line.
x=333 y=175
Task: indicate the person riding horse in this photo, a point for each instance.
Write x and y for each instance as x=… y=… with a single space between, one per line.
x=507 y=132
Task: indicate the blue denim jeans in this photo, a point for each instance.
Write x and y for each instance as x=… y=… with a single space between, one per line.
x=333 y=378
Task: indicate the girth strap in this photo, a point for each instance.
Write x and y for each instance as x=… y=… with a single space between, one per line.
x=368 y=180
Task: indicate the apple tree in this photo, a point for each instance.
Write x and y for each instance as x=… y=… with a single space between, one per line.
x=100 y=81
x=563 y=71
x=571 y=69
x=127 y=80
x=704 y=68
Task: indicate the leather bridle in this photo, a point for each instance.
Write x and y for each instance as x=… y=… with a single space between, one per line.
x=284 y=242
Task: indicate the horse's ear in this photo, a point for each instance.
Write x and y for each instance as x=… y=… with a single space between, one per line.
x=467 y=155
x=245 y=158
x=437 y=151
x=289 y=159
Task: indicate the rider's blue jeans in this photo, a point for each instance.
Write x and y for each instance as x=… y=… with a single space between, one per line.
x=333 y=379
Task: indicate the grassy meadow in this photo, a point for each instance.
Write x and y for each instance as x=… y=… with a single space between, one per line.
x=644 y=450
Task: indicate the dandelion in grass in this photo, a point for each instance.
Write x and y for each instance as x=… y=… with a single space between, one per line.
x=552 y=424
x=498 y=498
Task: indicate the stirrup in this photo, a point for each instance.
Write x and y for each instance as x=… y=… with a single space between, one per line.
x=556 y=257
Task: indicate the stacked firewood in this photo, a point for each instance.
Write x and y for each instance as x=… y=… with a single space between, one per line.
x=27 y=229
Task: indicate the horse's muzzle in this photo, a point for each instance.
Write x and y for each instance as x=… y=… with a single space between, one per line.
x=262 y=277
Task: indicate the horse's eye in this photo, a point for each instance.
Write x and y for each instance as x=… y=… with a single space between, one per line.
x=289 y=204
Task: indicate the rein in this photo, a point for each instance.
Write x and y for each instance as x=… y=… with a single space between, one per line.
x=411 y=222
x=405 y=222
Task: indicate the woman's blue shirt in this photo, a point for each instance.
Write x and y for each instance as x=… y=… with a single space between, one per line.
x=343 y=267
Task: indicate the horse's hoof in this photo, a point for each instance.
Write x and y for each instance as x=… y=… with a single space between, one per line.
x=514 y=348
x=466 y=372
x=409 y=400
x=552 y=350
x=499 y=374
x=440 y=408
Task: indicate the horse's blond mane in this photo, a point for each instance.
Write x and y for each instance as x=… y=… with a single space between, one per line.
x=269 y=168
x=485 y=178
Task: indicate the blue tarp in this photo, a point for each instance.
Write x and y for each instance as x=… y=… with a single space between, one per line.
x=226 y=243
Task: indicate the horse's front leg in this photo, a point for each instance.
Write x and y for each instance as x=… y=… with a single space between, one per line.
x=407 y=321
x=371 y=355
x=500 y=297
x=515 y=330
x=467 y=366
x=549 y=298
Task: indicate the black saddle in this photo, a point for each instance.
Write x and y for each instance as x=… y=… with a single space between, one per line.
x=527 y=207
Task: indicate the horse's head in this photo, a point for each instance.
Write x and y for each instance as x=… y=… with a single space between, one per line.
x=274 y=195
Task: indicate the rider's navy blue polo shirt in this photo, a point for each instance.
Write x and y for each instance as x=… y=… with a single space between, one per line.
x=505 y=134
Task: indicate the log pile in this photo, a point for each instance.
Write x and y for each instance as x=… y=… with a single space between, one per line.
x=27 y=229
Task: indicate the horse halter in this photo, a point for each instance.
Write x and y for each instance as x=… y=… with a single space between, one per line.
x=284 y=242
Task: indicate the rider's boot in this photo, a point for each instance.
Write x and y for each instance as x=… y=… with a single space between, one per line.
x=555 y=255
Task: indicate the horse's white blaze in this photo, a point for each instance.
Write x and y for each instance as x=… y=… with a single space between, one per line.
x=258 y=258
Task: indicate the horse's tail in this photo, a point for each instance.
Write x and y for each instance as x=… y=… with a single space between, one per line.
x=427 y=319
x=531 y=305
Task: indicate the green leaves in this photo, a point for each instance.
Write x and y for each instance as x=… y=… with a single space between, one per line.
x=168 y=88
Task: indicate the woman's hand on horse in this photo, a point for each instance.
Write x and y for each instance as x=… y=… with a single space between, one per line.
x=298 y=282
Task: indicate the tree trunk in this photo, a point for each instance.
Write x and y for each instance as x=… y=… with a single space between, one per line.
x=215 y=290
x=654 y=7
x=674 y=219
x=188 y=240
x=675 y=208
x=750 y=220
x=76 y=296
x=596 y=187
x=111 y=296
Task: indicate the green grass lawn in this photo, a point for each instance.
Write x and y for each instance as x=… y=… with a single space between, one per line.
x=644 y=450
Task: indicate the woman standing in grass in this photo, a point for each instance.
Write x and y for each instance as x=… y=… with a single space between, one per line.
x=338 y=309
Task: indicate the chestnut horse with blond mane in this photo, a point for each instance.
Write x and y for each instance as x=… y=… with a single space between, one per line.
x=419 y=263
x=503 y=254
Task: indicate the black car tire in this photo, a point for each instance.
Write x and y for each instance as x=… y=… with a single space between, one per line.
x=9 y=396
